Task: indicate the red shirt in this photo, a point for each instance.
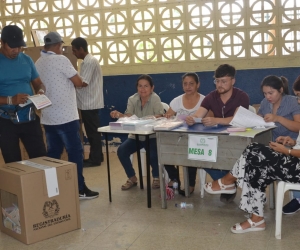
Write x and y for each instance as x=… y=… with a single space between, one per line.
x=214 y=103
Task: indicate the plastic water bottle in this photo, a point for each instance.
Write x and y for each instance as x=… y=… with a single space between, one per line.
x=175 y=187
x=185 y=205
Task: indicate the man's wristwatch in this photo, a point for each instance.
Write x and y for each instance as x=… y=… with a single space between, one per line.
x=290 y=151
x=41 y=91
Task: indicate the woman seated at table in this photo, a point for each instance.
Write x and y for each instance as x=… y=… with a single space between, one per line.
x=283 y=109
x=144 y=103
x=182 y=106
x=258 y=166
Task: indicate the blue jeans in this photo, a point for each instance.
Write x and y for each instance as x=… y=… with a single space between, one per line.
x=128 y=147
x=216 y=173
x=296 y=194
x=66 y=135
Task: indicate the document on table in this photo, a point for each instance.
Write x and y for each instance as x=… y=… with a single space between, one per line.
x=39 y=101
x=246 y=118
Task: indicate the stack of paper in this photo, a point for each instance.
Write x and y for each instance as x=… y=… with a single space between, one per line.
x=168 y=125
x=247 y=119
x=135 y=124
x=116 y=125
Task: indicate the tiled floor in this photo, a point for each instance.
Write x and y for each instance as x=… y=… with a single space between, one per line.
x=127 y=223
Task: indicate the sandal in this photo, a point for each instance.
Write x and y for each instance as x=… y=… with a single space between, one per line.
x=155 y=183
x=223 y=190
x=129 y=184
x=253 y=227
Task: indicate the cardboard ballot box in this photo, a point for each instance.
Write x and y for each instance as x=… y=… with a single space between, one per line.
x=39 y=199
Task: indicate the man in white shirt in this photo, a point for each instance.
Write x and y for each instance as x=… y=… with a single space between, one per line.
x=90 y=99
x=61 y=119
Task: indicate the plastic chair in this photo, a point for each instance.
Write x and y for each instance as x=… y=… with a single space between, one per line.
x=282 y=187
x=252 y=109
x=166 y=106
x=143 y=151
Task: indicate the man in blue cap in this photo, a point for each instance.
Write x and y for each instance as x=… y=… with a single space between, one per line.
x=17 y=73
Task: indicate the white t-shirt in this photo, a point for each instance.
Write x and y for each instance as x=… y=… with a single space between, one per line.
x=177 y=106
x=55 y=72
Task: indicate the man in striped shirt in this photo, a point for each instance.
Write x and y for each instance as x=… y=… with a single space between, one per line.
x=90 y=99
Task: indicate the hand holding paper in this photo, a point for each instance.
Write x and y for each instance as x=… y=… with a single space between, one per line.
x=245 y=118
x=39 y=101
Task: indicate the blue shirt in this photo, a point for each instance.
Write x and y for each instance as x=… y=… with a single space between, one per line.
x=288 y=108
x=15 y=77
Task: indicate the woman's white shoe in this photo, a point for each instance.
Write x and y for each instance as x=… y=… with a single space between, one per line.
x=253 y=227
x=224 y=188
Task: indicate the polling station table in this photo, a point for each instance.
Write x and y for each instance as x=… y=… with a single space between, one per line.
x=172 y=148
x=107 y=130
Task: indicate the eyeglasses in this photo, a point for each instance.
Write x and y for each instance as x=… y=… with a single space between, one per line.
x=221 y=81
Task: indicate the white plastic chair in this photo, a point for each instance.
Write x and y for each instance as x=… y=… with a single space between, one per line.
x=252 y=109
x=143 y=151
x=166 y=106
x=282 y=187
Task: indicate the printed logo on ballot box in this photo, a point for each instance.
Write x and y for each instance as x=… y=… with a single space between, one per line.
x=51 y=213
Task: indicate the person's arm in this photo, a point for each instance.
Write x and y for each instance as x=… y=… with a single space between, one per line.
x=292 y=125
x=170 y=112
x=158 y=108
x=76 y=80
x=87 y=72
x=38 y=86
x=211 y=121
x=284 y=150
x=286 y=141
x=200 y=113
x=116 y=114
x=14 y=100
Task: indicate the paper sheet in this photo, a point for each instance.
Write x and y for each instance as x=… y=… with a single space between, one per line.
x=39 y=101
x=245 y=118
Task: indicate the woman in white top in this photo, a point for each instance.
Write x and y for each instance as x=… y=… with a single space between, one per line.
x=183 y=106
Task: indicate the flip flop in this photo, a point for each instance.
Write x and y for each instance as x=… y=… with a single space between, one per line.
x=223 y=190
x=253 y=227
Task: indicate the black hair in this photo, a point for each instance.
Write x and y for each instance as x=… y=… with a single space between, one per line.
x=225 y=70
x=145 y=77
x=296 y=84
x=276 y=82
x=80 y=42
x=193 y=75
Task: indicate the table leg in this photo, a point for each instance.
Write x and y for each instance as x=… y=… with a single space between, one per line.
x=186 y=181
x=108 y=170
x=148 y=171
x=139 y=161
x=163 y=194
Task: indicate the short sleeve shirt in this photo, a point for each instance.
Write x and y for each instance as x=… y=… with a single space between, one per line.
x=214 y=103
x=152 y=107
x=288 y=108
x=55 y=72
x=90 y=97
x=177 y=106
x=15 y=77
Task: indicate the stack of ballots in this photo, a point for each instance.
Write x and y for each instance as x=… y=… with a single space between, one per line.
x=132 y=123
